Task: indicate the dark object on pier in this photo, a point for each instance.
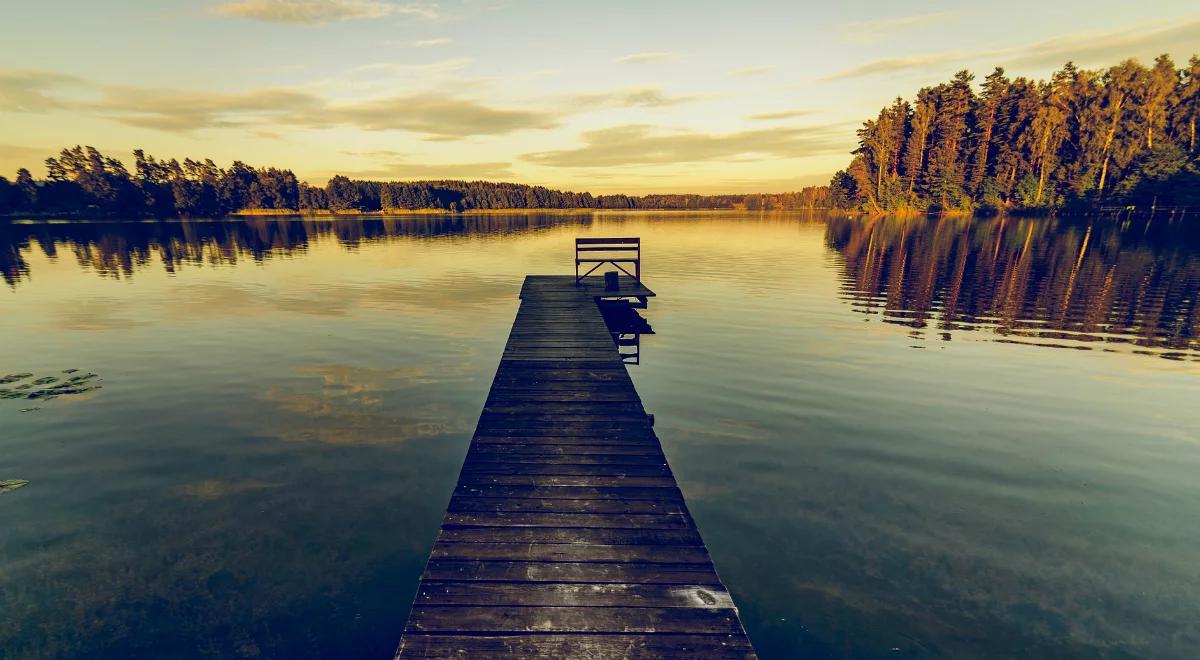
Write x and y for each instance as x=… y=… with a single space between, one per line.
x=611 y=282
x=566 y=535
x=615 y=251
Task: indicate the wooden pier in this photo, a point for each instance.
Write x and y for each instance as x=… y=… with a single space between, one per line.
x=567 y=536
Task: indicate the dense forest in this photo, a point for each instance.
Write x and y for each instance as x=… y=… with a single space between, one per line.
x=1121 y=136
x=83 y=181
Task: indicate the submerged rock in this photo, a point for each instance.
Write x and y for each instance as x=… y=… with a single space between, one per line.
x=11 y=484
x=48 y=387
x=12 y=378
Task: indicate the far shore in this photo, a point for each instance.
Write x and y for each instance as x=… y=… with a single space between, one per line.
x=334 y=215
x=515 y=211
x=308 y=213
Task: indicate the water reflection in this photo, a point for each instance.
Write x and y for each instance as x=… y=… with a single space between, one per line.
x=342 y=405
x=281 y=423
x=626 y=326
x=119 y=249
x=1040 y=281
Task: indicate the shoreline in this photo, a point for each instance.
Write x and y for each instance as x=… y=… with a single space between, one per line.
x=390 y=213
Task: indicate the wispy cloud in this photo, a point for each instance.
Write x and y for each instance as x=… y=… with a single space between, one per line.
x=638 y=144
x=1085 y=48
x=654 y=56
x=399 y=168
x=426 y=43
x=182 y=111
x=318 y=12
x=14 y=156
x=752 y=70
x=433 y=115
x=434 y=68
x=1109 y=46
x=32 y=90
x=893 y=64
x=649 y=96
x=782 y=114
x=876 y=29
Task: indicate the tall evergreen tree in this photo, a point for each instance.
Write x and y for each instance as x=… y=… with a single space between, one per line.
x=1081 y=138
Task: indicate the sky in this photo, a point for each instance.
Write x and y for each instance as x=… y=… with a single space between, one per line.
x=614 y=96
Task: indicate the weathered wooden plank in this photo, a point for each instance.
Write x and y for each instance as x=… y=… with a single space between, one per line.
x=476 y=458
x=535 y=437
x=584 y=367
x=594 y=647
x=559 y=594
x=475 y=467
x=570 y=535
x=669 y=493
x=563 y=397
x=488 y=619
x=565 y=377
x=572 y=552
x=513 y=407
x=516 y=450
x=474 y=479
x=566 y=356
x=591 y=520
x=574 y=425
x=467 y=504
x=587 y=572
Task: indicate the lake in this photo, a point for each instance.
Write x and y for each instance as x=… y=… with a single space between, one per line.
x=901 y=438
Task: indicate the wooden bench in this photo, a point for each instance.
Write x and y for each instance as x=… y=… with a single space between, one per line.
x=613 y=251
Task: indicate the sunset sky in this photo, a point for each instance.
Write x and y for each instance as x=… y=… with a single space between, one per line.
x=609 y=96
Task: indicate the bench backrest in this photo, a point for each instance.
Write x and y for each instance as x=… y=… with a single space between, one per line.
x=608 y=243
x=615 y=251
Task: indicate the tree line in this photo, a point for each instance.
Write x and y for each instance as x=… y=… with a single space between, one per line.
x=1083 y=138
x=83 y=181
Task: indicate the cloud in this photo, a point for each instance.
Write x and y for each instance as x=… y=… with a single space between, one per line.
x=893 y=64
x=874 y=30
x=28 y=90
x=642 y=58
x=782 y=114
x=425 y=43
x=16 y=152
x=648 y=96
x=318 y=12
x=752 y=70
x=637 y=144
x=1108 y=47
x=1086 y=48
x=183 y=111
x=396 y=167
x=441 y=67
x=433 y=115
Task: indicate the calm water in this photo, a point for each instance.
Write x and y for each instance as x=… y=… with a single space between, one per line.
x=900 y=438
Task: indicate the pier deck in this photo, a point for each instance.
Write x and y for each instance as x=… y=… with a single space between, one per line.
x=566 y=535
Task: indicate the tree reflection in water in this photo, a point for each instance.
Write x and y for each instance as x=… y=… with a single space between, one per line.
x=1067 y=283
